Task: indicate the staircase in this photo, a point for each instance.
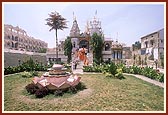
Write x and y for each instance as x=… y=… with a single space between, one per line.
x=79 y=68
x=90 y=58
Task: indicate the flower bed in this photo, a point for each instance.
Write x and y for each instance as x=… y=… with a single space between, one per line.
x=146 y=71
x=114 y=70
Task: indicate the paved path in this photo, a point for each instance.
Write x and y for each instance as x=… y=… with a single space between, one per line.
x=147 y=79
x=79 y=69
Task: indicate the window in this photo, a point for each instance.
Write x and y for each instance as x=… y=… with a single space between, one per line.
x=107 y=47
x=161 y=41
x=12 y=37
x=152 y=42
x=74 y=44
x=146 y=44
x=16 y=38
x=8 y=43
x=8 y=37
x=12 y=45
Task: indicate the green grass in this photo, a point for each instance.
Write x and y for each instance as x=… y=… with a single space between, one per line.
x=101 y=94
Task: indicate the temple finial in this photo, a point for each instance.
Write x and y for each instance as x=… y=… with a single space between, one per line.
x=73 y=16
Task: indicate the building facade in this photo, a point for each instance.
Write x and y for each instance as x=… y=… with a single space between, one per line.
x=19 y=47
x=152 y=47
x=51 y=54
x=127 y=55
x=16 y=38
x=112 y=50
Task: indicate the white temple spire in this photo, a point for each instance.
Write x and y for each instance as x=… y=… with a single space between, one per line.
x=95 y=14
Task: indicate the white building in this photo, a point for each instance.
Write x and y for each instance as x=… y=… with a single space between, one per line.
x=152 y=45
x=16 y=38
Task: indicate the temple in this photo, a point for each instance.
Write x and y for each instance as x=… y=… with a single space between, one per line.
x=112 y=50
x=19 y=46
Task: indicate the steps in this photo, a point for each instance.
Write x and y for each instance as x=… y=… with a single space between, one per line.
x=79 y=68
x=90 y=58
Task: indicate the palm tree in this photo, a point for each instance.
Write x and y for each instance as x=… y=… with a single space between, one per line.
x=56 y=22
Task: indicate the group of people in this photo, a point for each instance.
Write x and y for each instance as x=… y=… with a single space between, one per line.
x=81 y=54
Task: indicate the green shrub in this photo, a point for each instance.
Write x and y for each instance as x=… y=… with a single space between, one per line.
x=112 y=68
x=94 y=68
x=34 y=73
x=136 y=70
x=160 y=77
x=80 y=86
x=9 y=70
x=58 y=93
x=86 y=68
x=29 y=65
x=26 y=74
x=31 y=88
x=73 y=89
x=146 y=71
x=41 y=92
x=119 y=74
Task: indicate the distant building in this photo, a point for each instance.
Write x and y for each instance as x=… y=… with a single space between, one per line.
x=107 y=49
x=112 y=51
x=78 y=40
x=51 y=54
x=117 y=52
x=152 y=45
x=127 y=55
x=16 y=38
x=19 y=47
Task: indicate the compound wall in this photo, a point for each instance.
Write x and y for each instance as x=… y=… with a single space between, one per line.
x=14 y=59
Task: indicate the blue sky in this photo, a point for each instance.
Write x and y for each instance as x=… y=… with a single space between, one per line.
x=130 y=21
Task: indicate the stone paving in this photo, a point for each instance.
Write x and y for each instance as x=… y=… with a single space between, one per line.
x=79 y=69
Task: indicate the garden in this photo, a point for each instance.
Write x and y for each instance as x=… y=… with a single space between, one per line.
x=100 y=94
x=108 y=90
x=116 y=70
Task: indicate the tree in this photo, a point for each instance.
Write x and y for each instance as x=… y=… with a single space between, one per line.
x=162 y=60
x=136 y=46
x=134 y=57
x=42 y=50
x=145 y=60
x=139 y=61
x=56 y=22
x=97 y=47
x=68 y=48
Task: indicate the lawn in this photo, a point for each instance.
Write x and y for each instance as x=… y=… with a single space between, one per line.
x=101 y=94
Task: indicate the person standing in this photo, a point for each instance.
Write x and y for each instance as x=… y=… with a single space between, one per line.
x=76 y=64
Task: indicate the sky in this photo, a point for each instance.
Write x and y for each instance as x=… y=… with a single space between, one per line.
x=125 y=22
